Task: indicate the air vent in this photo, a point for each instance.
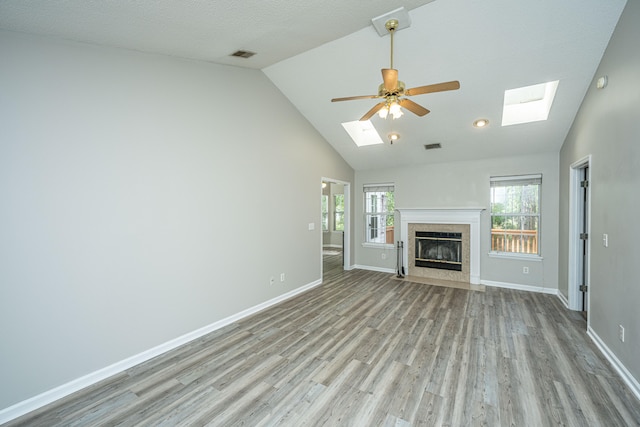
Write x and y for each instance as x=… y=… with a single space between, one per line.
x=432 y=146
x=243 y=54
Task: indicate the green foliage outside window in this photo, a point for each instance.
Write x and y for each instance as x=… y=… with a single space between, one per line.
x=325 y=213
x=515 y=214
x=338 y=224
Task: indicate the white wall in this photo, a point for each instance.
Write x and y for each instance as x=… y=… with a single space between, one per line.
x=466 y=184
x=137 y=204
x=608 y=128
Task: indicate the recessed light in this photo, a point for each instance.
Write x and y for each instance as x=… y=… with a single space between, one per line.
x=480 y=123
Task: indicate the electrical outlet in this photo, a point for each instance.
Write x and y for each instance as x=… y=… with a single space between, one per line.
x=383 y=255
x=282 y=277
x=272 y=280
x=621 y=333
x=525 y=270
x=605 y=240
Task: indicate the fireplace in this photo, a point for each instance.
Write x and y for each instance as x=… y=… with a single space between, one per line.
x=435 y=249
x=448 y=224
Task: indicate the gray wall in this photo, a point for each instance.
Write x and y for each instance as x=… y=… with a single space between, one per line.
x=608 y=128
x=138 y=204
x=466 y=184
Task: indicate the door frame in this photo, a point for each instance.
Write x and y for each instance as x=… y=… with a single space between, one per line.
x=346 y=246
x=575 y=256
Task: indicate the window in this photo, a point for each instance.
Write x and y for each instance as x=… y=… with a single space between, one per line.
x=515 y=214
x=379 y=209
x=338 y=213
x=325 y=212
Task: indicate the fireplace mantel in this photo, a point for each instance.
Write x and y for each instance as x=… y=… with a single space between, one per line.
x=470 y=216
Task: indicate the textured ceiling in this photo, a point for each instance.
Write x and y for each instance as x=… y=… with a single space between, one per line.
x=208 y=30
x=317 y=50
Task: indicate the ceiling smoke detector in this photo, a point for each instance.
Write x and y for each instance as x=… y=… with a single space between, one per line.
x=432 y=146
x=243 y=54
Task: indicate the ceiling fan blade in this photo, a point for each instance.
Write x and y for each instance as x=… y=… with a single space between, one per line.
x=390 y=78
x=413 y=107
x=371 y=112
x=438 y=87
x=351 y=98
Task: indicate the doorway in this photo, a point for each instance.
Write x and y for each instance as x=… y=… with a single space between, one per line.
x=335 y=226
x=579 y=236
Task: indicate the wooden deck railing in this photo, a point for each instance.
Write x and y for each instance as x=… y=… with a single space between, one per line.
x=519 y=241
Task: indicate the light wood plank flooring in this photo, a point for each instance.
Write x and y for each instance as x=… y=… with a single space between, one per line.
x=366 y=350
x=332 y=265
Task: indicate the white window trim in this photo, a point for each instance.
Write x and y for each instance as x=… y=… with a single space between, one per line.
x=515 y=255
x=519 y=255
x=371 y=188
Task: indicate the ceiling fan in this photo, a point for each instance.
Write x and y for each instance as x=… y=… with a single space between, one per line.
x=393 y=90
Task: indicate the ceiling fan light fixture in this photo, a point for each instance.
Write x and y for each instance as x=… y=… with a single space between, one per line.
x=392 y=108
x=395 y=110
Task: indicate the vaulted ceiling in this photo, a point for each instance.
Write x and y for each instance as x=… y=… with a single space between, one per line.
x=317 y=50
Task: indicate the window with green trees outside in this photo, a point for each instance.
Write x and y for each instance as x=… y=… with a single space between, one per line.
x=515 y=214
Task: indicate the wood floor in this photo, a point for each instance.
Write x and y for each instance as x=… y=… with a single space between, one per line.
x=366 y=350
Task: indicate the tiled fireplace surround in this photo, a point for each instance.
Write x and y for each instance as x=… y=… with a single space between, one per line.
x=459 y=220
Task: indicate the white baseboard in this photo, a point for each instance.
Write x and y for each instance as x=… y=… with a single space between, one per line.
x=36 y=402
x=563 y=299
x=371 y=268
x=528 y=288
x=631 y=382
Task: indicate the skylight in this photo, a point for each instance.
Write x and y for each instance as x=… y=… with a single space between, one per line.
x=528 y=104
x=362 y=133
